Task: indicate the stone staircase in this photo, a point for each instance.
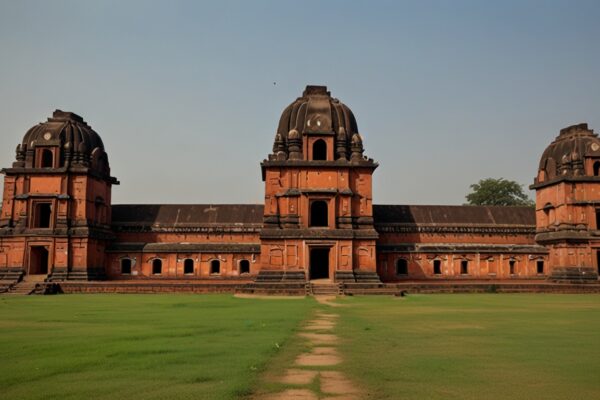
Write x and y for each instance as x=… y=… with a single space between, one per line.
x=27 y=286
x=9 y=278
x=323 y=288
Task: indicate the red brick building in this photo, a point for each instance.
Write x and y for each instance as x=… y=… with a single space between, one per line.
x=318 y=220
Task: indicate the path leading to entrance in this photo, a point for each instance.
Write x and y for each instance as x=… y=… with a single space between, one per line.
x=316 y=367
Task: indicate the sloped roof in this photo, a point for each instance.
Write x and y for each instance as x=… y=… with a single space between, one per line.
x=187 y=215
x=454 y=215
x=193 y=215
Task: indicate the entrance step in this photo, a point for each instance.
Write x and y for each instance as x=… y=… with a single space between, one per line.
x=9 y=277
x=324 y=289
x=27 y=286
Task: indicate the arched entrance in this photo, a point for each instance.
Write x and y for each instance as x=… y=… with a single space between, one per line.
x=38 y=260
x=319 y=263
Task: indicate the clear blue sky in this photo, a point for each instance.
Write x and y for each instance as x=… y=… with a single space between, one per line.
x=445 y=93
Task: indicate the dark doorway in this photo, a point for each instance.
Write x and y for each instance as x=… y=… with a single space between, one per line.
x=318 y=213
x=38 y=260
x=597 y=219
x=598 y=261
x=511 y=267
x=319 y=263
x=244 y=267
x=188 y=266
x=597 y=168
x=320 y=150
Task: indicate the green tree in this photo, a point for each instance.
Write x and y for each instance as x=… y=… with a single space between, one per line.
x=498 y=192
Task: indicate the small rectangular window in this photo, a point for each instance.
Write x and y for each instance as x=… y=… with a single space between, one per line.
x=215 y=267
x=188 y=266
x=464 y=267
x=540 y=267
x=437 y=267
x=47 y=159
x=157 y=266
x=402 y=267
x=244 y=267
x=42 y=215
x=126 y=266
x=511 y=266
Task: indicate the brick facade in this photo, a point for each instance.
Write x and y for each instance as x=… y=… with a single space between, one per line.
x=318 y=220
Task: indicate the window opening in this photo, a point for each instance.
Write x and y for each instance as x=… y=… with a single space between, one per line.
x=43 y=215
x=47 y=159
x=318 y=214
x=157 y=266
x=319 y=150
x=437 y=267
x=215 y=267
x=402 y=267
x=188 y=266
x=126 y=266
x=464 y=267
x=540 y=266
x=244 y=267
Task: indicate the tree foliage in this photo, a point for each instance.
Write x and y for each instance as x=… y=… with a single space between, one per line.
x=498 y=192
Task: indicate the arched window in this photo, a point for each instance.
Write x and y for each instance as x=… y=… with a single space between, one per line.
x=126 y=266
x=597 y=168
x=437 y=267
x=188 y=266
x=402 y=267
x=244 y=267
x=318 y=213
x=47 y=159
x=215 y=267
x=156 y=266
x=319 y=150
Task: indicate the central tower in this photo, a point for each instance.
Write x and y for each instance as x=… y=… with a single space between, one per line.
x=318 y=214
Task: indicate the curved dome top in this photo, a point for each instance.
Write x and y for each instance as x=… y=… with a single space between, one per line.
x=316 y=112
x=77 y=143
x=566 y=155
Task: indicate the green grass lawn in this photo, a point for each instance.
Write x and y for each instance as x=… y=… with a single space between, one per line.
x=140 y=346
x=534 y=346
x=218 y=347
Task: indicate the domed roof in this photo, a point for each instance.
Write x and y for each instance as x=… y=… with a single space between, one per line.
x=316 y=112
x=79 y=144
x=566 y=154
